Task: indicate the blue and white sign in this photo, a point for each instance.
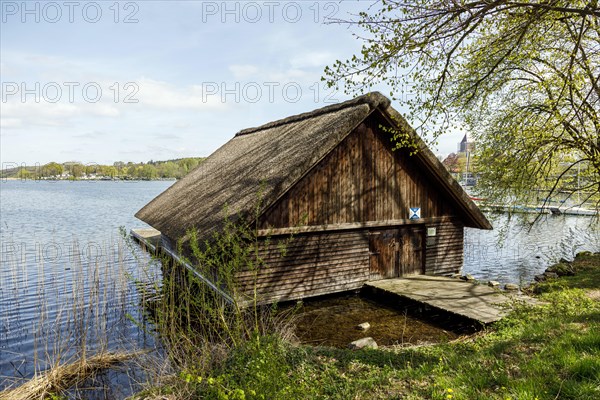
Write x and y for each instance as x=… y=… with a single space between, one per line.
x=415 y=213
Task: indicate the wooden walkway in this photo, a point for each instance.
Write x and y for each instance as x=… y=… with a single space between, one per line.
x=474 y=301
x=148 y=237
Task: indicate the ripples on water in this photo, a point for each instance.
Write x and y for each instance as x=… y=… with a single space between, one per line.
x=69 y=279
x=70 y=301
x=515 y=251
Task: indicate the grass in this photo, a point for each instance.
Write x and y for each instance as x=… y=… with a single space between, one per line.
x=550 y=351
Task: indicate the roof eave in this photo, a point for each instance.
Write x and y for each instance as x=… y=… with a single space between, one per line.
x=475 y=218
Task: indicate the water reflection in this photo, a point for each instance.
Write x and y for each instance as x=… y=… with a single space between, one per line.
x=54 y=309
x=515 y=251
x=69 y=281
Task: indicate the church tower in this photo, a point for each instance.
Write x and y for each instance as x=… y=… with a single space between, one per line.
x=466 y=145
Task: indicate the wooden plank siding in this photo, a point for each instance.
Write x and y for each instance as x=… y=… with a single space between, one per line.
x=361 y=180
x=310 y=265
x=444 y=253
x=330 y=179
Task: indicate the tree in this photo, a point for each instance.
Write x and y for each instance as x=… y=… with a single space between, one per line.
x=77 y=170
x=91 y=169
x=148 y=172
x=168 y=169
x=133 y=171
x=52 y=169
x=187 y=164
x=24 y=174
x=523 y=78
x=109 y=171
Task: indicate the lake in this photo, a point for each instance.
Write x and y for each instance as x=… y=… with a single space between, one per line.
x=70 y=280
x=515 y=251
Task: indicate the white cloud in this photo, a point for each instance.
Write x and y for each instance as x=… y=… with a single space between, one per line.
x=7 y=123
x=161 y=94
x=102 y=109
x=42 y=113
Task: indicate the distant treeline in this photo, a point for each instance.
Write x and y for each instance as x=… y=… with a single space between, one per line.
x=170 y=169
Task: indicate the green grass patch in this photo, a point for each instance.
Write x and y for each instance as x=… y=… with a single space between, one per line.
x=551 y=351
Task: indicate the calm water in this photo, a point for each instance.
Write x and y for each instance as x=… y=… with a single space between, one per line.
x=67 y=275
x=515 y=251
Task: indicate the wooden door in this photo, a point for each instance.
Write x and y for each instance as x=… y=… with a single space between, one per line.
x=396 y=252
x=411 y=259
x=383 y=248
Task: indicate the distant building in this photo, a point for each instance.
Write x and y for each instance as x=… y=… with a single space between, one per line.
x=466 y=144
x=465 y=149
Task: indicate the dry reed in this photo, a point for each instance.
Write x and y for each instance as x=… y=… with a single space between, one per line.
x=62 y=377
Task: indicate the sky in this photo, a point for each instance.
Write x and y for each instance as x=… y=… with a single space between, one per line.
x=104 y=81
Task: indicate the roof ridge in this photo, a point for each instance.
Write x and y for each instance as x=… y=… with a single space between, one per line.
x=372 y=99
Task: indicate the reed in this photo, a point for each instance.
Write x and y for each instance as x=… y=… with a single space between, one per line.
x=70 y=316
x=94 y=311
x=61 y=377
x=200 y=329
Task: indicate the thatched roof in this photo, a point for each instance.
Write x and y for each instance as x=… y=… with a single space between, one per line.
x=271 y=159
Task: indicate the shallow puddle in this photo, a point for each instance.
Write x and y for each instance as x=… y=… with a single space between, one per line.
x=334 y=320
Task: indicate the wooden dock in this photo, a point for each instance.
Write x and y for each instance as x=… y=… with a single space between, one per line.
x=474 y=301
x=148 y=238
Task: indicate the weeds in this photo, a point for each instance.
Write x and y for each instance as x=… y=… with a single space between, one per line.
x=204 y=331
x=237 y=349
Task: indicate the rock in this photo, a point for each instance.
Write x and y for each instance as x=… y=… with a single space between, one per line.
x=493 y=283
x=511 y=287
x=468 y=278
x=561 y=269
x=540 y=278
x=583 y=254
x=456 y=276
x=364 y=343
x=364 y=326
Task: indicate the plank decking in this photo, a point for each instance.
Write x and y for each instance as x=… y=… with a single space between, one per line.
x=477 y=302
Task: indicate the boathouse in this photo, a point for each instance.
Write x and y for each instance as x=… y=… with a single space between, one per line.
x=358 y=209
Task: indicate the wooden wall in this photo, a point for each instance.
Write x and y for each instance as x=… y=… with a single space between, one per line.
x=359 y=181
x=311 y=265
x=444 y=253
